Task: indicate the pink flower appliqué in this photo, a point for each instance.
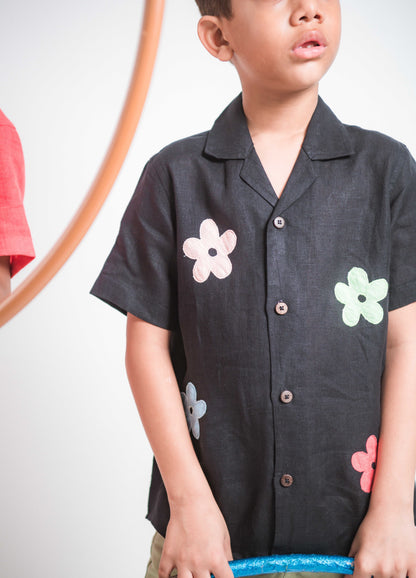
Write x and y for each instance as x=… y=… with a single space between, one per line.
x=210 y=251
x=365 y=462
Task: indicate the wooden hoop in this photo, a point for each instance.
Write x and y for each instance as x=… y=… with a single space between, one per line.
x=107 y=174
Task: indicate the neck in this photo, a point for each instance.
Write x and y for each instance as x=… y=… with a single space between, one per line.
x=284 y=116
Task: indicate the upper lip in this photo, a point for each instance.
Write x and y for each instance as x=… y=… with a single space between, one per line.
x=311 y=36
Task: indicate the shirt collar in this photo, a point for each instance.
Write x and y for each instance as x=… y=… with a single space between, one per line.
x=326 y=137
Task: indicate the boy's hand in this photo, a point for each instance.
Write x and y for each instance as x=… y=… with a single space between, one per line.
x=197 y=542
x=385 y=546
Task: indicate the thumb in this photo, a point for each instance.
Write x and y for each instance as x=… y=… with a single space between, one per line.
x=354 y=549
x=228 y=551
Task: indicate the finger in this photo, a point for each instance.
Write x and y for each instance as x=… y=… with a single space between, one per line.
x=201 y=574
x=363 y=568
x=184 y=572
x=222 y=570
x=166 y=565
x=400 y=571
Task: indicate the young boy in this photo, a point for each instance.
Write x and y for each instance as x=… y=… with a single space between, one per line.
x=268 y=273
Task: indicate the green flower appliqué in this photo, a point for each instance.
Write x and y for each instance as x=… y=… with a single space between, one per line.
x=361 y=297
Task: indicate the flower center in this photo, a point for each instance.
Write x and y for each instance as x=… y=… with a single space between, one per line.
x=212 y=252
x=362 y=298
x=191 y=410
x=373 y=465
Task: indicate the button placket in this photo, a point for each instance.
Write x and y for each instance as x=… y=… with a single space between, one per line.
x=279 y=306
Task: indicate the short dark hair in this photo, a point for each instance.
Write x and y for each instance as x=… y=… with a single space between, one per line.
x=215 y=7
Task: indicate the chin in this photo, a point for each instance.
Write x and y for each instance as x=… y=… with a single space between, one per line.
x=308 y=79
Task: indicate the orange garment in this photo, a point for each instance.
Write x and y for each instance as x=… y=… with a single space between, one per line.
x=15 y=237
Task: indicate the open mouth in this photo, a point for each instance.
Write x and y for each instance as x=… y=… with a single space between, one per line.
x=311 y=45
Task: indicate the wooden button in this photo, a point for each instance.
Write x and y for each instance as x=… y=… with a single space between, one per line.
x=281 y=308
x=286 y=480
x=286 y=396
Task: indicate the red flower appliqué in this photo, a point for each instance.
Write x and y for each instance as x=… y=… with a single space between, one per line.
x=365 y=462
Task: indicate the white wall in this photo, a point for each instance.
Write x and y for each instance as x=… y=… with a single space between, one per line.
x=74 y=460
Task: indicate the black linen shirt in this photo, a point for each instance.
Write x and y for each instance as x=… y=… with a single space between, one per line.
x=279 y=312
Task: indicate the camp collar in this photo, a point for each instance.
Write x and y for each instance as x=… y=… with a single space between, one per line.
x=326 y=137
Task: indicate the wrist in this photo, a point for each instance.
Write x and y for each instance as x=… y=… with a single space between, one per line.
x=392 y=505
x=184 y=498
x=187 y=491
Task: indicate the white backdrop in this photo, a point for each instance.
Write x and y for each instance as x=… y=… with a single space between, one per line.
x=74 y=460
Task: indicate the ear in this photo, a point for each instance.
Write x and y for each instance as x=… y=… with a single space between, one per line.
x=210 y=32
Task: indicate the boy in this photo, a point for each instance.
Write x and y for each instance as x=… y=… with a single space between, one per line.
x=258 y=265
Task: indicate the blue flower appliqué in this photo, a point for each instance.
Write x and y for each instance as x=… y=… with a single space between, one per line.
x=194 y=409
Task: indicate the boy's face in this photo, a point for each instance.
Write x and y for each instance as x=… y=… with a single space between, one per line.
x=282 y=45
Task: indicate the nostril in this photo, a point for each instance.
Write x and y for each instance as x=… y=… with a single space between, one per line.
x=307 y=18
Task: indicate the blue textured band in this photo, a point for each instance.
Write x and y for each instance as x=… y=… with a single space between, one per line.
x=292 y=563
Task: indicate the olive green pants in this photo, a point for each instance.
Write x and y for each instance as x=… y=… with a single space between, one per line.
x=156 y=553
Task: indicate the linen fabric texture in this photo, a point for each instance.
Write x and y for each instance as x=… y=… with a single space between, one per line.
x=15 y=237
x=247 y=283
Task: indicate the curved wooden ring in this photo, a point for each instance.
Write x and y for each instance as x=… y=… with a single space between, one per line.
x=107 y=174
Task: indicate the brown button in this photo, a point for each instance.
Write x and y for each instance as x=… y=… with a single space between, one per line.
x=286 y=396
x=279 y=222
x=281 y=308
x=286 y=480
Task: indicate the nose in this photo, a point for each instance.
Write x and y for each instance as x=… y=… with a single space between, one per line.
x=306 y=11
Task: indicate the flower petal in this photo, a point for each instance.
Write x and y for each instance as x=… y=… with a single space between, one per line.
x=373 y=312
x=366 y=481
x=200 y=409
x=221 y=266
x=196 y=429
x=191 y=391
x=360 y=461
x=194 y=248
x=209 y=233
x=371 y=447
x=358 y=280
x=351 y=315
x=202 y=269
x=377 y=290
x=344 y=294
x=228 y=241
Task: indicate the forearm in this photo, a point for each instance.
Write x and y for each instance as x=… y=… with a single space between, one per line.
x=155 y=389
x=385 y=544
x=396 y=463
x=4 y=277
x=197 y=539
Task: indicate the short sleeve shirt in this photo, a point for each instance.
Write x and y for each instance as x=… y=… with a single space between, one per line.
x=280 y=310
x=15 y=237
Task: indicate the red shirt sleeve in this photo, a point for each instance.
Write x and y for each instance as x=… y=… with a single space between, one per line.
x=15 y=237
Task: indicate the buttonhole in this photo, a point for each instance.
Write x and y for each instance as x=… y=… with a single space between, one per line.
x=212 y=252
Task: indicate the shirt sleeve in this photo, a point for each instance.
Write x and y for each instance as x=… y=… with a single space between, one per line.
x=139 y=275
x=403 y=234
x=15 y=237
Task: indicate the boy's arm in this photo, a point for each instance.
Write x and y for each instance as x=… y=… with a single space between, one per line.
x=197 y=540
x=385 y=544
x=4 y=277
